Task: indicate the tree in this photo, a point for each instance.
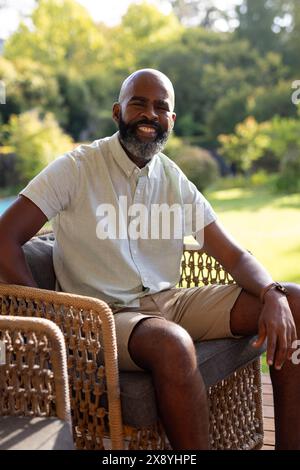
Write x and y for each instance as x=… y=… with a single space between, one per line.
x=197 y=163
x=259 y=23
x=269 y=101
x=204 y=13
x=291 y=35
x=36 y=141
x=29 y=85
x=247 y=144
x=62 y=35
x=276 y=142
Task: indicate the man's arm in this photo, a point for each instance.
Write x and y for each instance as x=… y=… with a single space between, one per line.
x=276 y=322
x=22 y=220
x=243 y=267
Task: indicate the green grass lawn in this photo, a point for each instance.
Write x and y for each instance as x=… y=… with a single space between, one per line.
x=266 y=224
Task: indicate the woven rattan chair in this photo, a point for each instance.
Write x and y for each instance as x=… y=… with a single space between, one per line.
x=98 y=407
x=34 y=388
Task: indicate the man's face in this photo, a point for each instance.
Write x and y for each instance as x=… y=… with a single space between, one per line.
x=145 y=116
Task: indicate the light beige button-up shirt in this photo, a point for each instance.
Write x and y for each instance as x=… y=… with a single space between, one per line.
x=120 y=263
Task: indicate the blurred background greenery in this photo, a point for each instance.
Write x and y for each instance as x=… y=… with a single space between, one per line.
x=237 y=135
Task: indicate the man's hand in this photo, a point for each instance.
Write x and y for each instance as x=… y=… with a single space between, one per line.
x=276 y=323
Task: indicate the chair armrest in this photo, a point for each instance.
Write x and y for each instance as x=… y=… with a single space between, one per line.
x=87 y=323
x=192 y=247
x=19 y=326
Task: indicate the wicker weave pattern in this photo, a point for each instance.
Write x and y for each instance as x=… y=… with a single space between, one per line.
x=197 y=269
x=236 y=411
x=33 y=381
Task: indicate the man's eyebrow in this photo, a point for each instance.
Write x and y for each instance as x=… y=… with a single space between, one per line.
x=138 y=98
x=162 y=102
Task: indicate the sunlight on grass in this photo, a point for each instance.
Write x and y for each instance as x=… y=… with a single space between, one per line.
x=267 y=225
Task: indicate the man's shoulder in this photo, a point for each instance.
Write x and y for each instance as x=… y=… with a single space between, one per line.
x=86 y=151
x=169 y=164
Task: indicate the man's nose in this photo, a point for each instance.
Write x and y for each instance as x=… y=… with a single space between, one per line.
x=150 y=113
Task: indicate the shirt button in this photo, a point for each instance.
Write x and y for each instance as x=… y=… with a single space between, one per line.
x=134 y=252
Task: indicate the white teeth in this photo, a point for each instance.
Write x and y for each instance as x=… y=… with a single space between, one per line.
x=150 y=130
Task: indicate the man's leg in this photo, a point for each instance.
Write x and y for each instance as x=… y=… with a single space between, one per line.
x=286 y=382
x=167 y=351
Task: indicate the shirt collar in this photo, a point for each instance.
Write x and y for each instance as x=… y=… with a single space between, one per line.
x=124 y=161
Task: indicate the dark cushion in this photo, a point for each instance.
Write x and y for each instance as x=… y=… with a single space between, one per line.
x=38 y=254
x=22 y=433
x=217 y=359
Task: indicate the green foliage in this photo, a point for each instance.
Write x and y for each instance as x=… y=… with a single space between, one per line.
x=64 y=63
x=266 y=102
x=62 y=35
x=214 y=75
x=288 y=180
x=232 y=104
x=249 y=143
x=277 y=139
x=195 y=162
x=29 y=85
x=36 y=141
x=257 y=23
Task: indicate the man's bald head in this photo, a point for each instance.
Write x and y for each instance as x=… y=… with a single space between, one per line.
x=147 y=75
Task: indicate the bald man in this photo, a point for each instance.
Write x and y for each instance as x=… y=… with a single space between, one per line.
x=111 y=204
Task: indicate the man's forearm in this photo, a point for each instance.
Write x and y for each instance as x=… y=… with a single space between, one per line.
x=250 y=274
x=13 y=266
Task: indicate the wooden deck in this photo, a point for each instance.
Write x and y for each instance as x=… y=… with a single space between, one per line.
x=268 y=410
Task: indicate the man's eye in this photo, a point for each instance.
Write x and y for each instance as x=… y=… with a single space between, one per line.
x=163 y=107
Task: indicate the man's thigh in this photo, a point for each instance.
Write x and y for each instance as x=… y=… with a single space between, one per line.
x=203 y=311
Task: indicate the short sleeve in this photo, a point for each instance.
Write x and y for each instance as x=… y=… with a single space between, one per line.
x=198 y=211
x=54 y=188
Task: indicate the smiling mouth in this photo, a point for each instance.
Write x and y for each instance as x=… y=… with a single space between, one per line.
x=147 y=131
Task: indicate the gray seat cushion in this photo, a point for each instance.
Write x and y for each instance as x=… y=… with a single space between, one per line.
x=217 y=359
x=38 y=254
x=22 y=433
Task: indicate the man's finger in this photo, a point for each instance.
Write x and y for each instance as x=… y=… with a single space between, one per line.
x=281 y=350
x=262 y=334
x=294 y=343
x=289 y=346
x=271 y=347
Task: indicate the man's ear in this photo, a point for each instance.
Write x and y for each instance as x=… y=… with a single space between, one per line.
x=174 y=118
x=116 y=112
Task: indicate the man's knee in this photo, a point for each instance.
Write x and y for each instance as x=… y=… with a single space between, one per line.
x=163 y=346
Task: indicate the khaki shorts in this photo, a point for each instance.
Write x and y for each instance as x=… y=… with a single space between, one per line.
x=203 y=311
